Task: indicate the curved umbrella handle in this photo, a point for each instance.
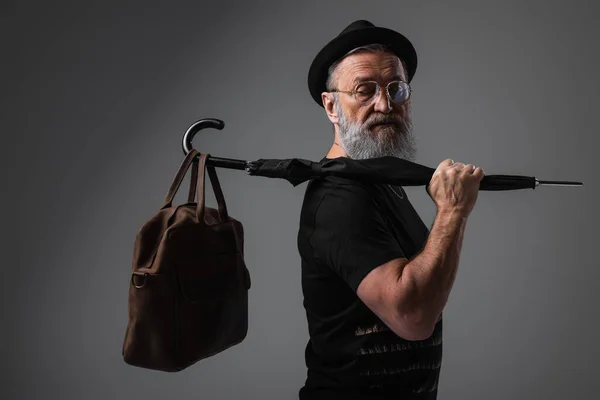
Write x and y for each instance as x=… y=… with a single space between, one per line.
x=197 y=127
x=211 y=161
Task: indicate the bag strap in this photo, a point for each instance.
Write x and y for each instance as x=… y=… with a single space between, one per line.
x=214 y=180
x=185 y=165
x=193 y=181
x=216 y=185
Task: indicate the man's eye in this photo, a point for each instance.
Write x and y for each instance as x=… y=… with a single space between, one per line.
x=365 y=90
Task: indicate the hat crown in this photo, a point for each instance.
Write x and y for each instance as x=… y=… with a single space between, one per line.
x=360 y=24
x=359 y=33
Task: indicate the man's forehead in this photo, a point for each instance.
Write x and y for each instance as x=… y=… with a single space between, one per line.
x=371 y=65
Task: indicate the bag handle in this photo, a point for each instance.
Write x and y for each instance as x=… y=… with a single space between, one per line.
x=212 y=174
x=193 y=181
x=214 y=180
x=216 y=185
x=185 y=165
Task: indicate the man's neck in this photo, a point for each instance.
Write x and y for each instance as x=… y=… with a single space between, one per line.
x=336 y=150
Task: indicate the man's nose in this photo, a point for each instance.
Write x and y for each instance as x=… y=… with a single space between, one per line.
x=382 y=102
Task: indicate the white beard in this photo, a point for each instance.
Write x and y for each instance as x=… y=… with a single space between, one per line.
x=365 y=141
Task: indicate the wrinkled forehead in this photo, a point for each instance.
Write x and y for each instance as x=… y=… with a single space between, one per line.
x=377 y=66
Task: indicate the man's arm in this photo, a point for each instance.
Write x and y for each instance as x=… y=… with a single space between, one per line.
x=409 y=296
x=425 y=282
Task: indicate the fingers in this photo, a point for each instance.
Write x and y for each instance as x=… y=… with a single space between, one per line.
x=461 y=167
x=446 y=163
x=479 y=173
x=471 y=169
x=468 y=169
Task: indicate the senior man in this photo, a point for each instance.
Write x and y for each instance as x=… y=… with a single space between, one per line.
x=375 y=279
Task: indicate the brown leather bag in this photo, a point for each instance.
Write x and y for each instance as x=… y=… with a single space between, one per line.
x=188 y=293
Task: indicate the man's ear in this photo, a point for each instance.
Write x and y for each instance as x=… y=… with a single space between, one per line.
x=329 y=105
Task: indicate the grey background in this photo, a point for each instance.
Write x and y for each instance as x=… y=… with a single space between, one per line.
x=97 y=96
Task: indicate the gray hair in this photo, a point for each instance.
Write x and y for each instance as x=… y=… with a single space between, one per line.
x=375 y=48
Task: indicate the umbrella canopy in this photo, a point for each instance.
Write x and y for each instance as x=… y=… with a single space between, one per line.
x=391 y=170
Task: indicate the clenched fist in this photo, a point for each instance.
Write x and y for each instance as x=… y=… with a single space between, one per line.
x=455 y=186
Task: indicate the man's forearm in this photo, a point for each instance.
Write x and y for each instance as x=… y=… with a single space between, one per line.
x=428 y=278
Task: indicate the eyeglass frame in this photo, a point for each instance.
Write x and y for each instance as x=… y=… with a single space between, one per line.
x=376 y=95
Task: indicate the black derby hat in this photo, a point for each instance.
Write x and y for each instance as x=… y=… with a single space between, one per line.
x=358 y=33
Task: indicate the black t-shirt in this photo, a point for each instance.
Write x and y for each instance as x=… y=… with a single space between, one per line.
x=348 y=228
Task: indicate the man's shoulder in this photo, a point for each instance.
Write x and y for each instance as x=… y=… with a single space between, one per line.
x=332 y=191
x=334 y=184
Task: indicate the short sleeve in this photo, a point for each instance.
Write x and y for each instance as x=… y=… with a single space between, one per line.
x=351 y=235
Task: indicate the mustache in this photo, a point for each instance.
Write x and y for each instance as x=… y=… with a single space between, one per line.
x=378 y=119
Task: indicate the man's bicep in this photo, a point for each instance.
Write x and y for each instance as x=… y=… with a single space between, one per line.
x=384 y=293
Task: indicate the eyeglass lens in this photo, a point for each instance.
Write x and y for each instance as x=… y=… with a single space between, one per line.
x=399 y=91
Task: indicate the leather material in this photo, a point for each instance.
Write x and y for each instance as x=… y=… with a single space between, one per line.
x=188 y=292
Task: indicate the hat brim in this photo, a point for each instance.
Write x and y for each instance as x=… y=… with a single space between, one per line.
x=342 y=44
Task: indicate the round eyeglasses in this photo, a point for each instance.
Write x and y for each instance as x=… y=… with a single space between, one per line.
x=365 y=93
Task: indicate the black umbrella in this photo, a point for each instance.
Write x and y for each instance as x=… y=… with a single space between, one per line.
x=391 y=170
